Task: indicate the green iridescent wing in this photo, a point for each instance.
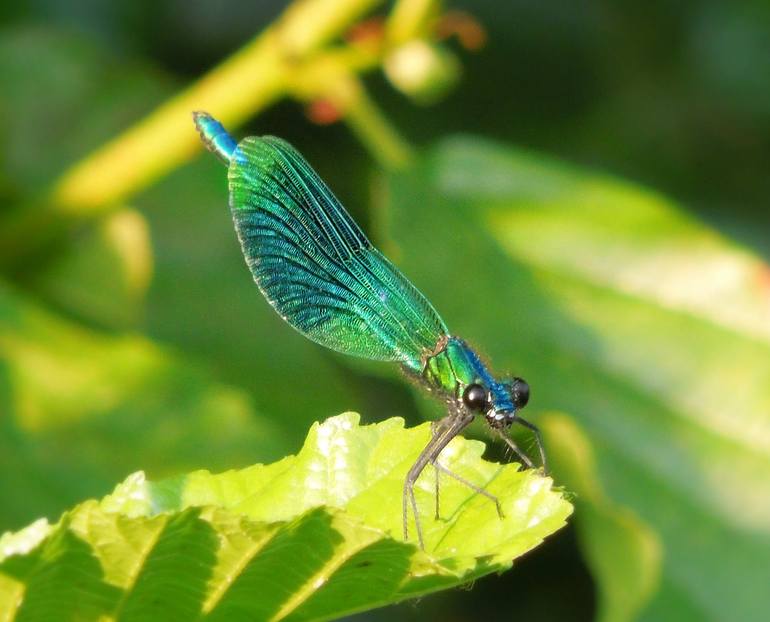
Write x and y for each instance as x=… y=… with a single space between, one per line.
x=314 y=264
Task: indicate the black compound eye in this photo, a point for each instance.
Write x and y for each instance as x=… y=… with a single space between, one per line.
x=520 y=392
x=475 y=397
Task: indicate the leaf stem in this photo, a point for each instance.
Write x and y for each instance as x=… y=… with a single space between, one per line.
x=375 y=131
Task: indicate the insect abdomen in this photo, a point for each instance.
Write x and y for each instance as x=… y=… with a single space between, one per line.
x=215 y=136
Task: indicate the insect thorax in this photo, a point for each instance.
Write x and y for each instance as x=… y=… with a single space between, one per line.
x=452 y=366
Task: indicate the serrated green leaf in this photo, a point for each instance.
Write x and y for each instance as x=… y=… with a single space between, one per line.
x=312 y=537
x=621 y=309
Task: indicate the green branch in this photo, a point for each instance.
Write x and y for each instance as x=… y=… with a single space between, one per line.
x=411 y=19
x=290 y=58
x=246 y=83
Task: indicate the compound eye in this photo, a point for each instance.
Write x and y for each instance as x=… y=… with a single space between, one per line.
x=520 y=392
x=475 y=398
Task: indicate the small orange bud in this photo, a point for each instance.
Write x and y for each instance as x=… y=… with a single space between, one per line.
x=322 y=112
x=468 y=30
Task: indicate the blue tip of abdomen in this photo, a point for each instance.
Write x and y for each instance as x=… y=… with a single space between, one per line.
x=215 y=136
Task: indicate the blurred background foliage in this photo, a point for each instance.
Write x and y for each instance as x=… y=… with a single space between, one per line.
x=131 y=336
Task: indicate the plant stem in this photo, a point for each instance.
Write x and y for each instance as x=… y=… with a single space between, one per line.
x=410 y=19
x=244 y=84
x=375 y=131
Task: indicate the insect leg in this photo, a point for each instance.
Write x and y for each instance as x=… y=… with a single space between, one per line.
x=515 y=448
x=538 y=438
x=438 y=512
x=455 y=424
x=436 y=428
x=471 y=485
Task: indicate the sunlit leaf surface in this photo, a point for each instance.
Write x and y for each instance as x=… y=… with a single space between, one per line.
x=311 y=537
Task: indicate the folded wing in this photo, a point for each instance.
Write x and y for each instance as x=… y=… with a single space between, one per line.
x=314 y=264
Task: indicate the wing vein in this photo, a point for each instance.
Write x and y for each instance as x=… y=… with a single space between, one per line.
x=314 y=264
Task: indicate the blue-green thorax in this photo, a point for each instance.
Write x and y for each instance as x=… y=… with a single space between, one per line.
x=453 y=367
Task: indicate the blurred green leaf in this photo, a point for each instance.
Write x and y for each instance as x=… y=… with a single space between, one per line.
x=591 y=289
x=103 y=278
x=729 y=51
x=79 y=410
x=69 y=95
x=623 y=552
x=311 y=537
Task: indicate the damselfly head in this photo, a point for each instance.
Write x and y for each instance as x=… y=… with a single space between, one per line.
x=505 y=401
x=519 y=393
x=498 y=403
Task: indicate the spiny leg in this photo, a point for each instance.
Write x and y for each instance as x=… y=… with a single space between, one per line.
x=438 y=470
x=444 y=434
x=516 y=450
x=478 y=489
x=411 y=477
x=436 y=428
x=538 y=439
